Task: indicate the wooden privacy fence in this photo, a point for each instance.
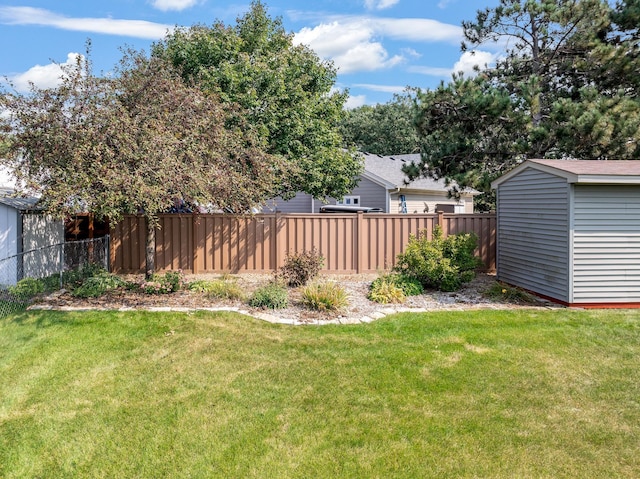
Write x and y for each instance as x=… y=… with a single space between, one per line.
x=350 y=243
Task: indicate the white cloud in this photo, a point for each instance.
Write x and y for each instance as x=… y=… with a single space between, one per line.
x=354 y=43
x=43 y=76
x=351 y=46
x=418 y=29
x=177 y=5
x=108 y=26
x=379 y=4
x=465 y=64
x=469 y=60
x=381 y=88
x=442 y=4
x=355 y=101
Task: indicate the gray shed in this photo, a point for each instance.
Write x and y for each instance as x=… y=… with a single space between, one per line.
x=569 y=230
x=24 y=228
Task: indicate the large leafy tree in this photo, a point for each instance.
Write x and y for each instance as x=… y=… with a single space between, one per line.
x=566 y=87
x=285 y=90
x=383 y=129
x=133 y=143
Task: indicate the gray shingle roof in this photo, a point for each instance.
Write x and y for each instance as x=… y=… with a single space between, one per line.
x=389 y=168
x=17 y=202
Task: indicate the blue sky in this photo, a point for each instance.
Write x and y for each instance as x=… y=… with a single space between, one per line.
x=379 y=46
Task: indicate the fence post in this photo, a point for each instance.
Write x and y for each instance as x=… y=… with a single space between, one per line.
x=61 y=259
x=195 y=243
x=276 y=251
x=356 y=245
x=441 y=222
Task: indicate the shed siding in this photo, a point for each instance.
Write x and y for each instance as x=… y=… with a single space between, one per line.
x=40 y=232
x=533 y=233
x=606 y=244
x=8 y=245
x=8 y=231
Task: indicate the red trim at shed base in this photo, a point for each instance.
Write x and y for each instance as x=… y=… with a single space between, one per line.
x=628 y=305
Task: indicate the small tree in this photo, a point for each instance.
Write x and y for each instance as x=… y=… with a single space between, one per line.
x=134 y=143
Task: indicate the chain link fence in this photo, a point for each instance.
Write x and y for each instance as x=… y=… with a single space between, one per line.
x=43 y=270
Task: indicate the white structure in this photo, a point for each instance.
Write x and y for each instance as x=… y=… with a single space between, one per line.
x=569 y=230
x=24 y=229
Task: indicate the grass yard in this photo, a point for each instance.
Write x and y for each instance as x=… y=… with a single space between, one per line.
x=521 y=393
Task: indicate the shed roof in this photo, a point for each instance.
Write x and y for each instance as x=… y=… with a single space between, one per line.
x=387 y=171
x=7 y=198
x=583 y=171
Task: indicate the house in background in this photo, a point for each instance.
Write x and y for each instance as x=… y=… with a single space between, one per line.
x=382 y=185
x=569 y=230
x=23 y=228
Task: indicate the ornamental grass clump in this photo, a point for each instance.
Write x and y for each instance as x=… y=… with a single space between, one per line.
x=393 y=288
x=440 y=263
x=325 y=296
x=272 y=296
x=503 y=292
x=218 y=288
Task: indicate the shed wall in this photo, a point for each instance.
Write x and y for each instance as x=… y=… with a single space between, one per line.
x=8 y=231
x=533 y=233
x=606 y=244
x=8 y=245
x=40 y=232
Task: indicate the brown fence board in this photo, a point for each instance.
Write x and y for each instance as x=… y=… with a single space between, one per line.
x=225 y=243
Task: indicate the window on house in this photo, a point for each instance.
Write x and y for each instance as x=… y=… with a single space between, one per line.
x=350 y=200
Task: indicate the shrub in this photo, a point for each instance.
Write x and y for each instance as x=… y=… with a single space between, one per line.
x=218 y=288
x=27 y=288
x=441 y=263
x=170 y=282
x=175 y=280
x=326 y=296
x=300 y=268
x=98 y=285
x=74 y=278
x=271 y=296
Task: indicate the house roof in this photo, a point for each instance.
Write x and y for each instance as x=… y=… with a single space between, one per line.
x=583 y=171
x=387 y=171
x=7 y=198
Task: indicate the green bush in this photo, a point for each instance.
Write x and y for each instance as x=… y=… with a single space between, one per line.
x=271 y=296
x=74 y=278
x=218 y=288
x=27 y=288
x=441 y=263
x=325 y=296
x=98 y=285
x=300 y=268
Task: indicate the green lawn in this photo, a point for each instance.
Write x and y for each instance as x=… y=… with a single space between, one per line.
x=522 y=393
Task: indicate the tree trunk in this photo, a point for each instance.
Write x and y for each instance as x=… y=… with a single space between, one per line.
x=150 y=249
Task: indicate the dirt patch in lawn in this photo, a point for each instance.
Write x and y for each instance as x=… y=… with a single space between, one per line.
x=472 y=295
